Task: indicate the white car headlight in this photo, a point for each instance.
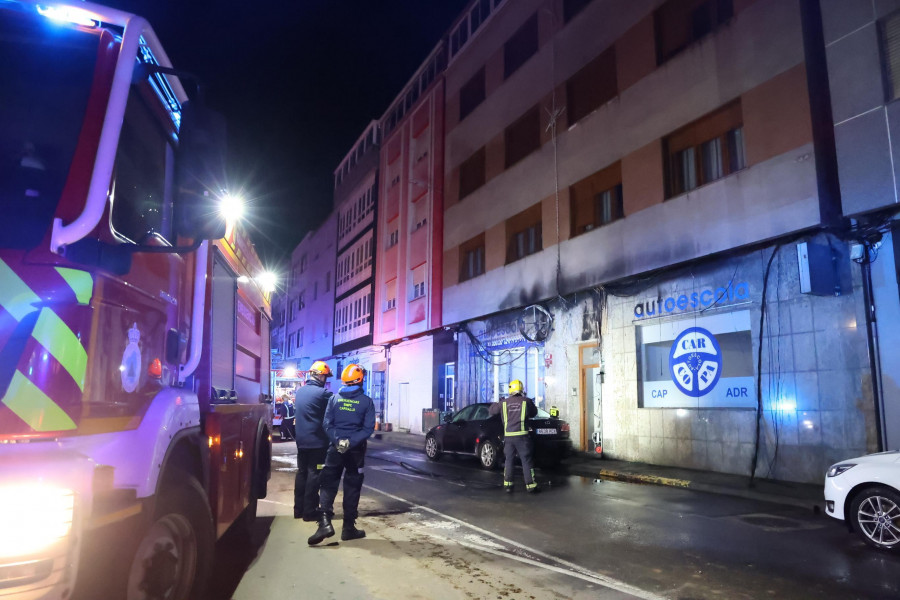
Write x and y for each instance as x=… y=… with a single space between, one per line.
x=836 y=470
x=33 y=517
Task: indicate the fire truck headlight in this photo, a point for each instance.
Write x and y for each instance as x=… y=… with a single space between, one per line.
x=33 y=518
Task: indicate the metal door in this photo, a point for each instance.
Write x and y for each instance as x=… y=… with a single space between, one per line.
x=593 y=379
x=403 y=406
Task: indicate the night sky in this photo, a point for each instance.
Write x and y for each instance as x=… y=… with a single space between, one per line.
x=298 y=81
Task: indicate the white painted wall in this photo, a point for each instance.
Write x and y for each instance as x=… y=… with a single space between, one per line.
x=412 y=364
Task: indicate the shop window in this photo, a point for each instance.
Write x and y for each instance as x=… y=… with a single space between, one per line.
x=697 y=362
x=471 y=258
x=524 y=234
x=592 y=87
x=706 y=150
x=572 y=8
x=889 y=33
x=520 y=47
x=471 y=94
x=680 y=23
x=472 y=173
x=523 y=137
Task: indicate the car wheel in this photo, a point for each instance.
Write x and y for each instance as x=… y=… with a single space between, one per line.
x=875 y=515
x=431 y=448
x=488 y=455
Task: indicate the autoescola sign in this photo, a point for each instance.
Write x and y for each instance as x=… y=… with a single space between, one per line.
x=661 y=306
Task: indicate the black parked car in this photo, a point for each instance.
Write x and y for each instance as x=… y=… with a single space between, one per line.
x=472 y=430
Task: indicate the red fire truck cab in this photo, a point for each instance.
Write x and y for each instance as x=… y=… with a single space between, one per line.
x=134 y=359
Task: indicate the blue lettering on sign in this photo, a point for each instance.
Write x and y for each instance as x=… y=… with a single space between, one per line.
x=703 y=298
x=736 y=392
x=695 y=362
x=659 y=393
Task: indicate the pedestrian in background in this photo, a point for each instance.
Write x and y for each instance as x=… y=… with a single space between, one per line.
x=515 y=409
x=349 y=422
x=312 y=443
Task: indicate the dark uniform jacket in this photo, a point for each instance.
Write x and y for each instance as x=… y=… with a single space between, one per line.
x=515 y=409
x=350 y=414
x=309 y=406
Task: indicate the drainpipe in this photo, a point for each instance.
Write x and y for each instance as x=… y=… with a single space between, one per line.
x=872 y=343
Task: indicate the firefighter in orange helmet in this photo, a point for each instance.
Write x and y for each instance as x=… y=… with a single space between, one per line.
x=312 y=443
x=349 y=422
x=516 y=408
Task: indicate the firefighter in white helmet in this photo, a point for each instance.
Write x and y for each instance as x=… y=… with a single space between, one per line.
x=515 y=409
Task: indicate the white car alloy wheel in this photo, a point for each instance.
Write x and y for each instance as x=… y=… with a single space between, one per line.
x=876 y=516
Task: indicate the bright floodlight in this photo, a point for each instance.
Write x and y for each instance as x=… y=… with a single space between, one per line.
x=232 y=208
x=268 y=280
x=290 y=372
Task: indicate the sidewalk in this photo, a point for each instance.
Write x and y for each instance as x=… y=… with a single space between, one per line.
x=802 y=495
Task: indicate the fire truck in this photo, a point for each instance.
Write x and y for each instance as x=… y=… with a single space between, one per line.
x=135 y=421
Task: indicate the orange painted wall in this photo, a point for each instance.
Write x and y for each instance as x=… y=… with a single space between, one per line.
x=642 y=178
x=777 y=116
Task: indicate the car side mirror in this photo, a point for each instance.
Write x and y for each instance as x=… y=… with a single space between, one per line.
x=200 y=172
x=447 y=418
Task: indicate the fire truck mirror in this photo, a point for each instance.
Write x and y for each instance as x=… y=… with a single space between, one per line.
x=200 y=172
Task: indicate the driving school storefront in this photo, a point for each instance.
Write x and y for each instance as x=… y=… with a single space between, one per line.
x=686 y=372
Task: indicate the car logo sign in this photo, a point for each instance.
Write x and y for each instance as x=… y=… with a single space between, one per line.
x=695 y=362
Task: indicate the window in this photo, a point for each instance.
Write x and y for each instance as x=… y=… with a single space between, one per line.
x=390 y=294
x=597 y=199
x=706 y=150
x=301 y=300
x=572 y=8
x=520 y=47
x=471 y=258
x=592 y=87
x=139 y=204
x=889 y=30
x=523 y=137
x=418 y=282
x=472 y=173
x=524 y=234
x=471 y=94
x=300 y=338
x=393 y=238
x=680 y=23
x=291 y=312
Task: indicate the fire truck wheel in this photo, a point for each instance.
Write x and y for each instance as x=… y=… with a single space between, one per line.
x=174 y=556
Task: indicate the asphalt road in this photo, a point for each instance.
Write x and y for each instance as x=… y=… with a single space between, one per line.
x=446 y=530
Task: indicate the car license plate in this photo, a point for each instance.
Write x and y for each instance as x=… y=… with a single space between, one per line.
x=550 y=431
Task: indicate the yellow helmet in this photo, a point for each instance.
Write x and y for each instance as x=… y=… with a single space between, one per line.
x=320 y=368
x=515 y=387
x=353 y=374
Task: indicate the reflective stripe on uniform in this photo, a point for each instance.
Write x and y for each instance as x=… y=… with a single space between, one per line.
x=34 y=406
x=320 y=467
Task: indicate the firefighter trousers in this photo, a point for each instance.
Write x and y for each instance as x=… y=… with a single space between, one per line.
x=521 y=445
x=350 y=464
x=310 y=462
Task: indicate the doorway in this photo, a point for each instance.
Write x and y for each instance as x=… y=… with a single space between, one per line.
x=591 y=398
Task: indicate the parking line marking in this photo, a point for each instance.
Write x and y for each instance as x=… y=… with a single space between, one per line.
x=573 y=569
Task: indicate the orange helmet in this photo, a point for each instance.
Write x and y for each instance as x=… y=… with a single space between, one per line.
x=320 y=368
x=353 y=374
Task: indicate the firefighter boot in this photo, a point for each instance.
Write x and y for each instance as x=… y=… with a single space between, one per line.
x=325 y=530
x=350 y=532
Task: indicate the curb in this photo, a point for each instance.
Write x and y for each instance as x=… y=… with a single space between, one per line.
x=651 y=479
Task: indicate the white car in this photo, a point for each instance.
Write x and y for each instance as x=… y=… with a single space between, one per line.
x=865 y=491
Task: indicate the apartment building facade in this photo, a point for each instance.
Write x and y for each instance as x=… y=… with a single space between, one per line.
x=356 y=201
x=637 y=215
x=409 y=250
x=310 y=297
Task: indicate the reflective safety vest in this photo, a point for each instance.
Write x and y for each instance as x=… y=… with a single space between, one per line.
x=515 y=410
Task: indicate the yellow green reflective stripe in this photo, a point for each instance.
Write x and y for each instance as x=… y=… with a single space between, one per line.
x=320 y=467
x=34 y=406
x=16 y=297
x=64 y=345
x=80 y=282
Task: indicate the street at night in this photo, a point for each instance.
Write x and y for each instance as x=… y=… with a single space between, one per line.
x=446 y=530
